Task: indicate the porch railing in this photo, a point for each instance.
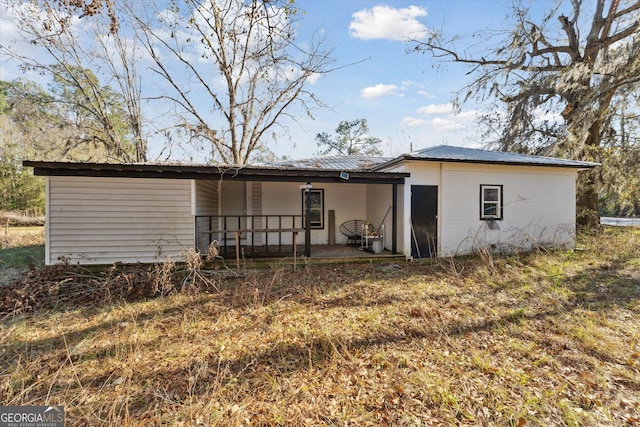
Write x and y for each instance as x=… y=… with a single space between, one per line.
x=267 y=235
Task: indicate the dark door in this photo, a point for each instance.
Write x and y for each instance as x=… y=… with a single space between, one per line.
x=424 y=221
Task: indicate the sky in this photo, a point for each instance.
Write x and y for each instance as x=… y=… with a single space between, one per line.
x=404 y=96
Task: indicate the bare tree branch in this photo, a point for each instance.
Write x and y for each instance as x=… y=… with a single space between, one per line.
x=249 y=69
x=551 y=65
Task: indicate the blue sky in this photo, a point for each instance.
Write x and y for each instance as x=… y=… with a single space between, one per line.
x=404 y=96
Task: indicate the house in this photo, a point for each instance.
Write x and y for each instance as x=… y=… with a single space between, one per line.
x=440 y=201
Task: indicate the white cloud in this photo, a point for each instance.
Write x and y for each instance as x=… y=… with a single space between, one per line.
x=455 y=121
x=436 y=109
x=426 y=94
x=447 y=124
x=385 y=22
x=378 y=90
x=413 y=122
x=467 y=116
x=313 y=78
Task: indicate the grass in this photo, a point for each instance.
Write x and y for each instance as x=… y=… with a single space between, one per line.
x=547 y=338
x=21 y=249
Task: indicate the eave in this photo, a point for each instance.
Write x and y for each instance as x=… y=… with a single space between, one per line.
x=404 y=158
x=215 y=172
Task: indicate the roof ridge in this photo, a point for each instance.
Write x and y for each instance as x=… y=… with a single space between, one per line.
x=427 y=149
x=451 y=153
x=486 y=150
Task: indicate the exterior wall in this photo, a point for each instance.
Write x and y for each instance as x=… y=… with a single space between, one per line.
x=283 y=198
x=402 y=223
x=422 y=173
x=347 y=200
x=255 y=207
x=205 y=202
x=379 y=200
x=538 y=205
x=538 y=208
x=92 y=220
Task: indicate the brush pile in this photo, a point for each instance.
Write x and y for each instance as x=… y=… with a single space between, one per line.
x=18 y=219
x=68 y=286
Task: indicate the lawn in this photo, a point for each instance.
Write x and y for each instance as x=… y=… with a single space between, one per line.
x=21 y=248
x=539 y=339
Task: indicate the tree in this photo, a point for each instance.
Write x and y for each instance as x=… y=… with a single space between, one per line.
x=70 y=53
x=352 y=139
x=552 y=81
x=55 y=125
x=30 y=121
x=262 y=154
x=620 y=147
x=246 y=70
x=21 y=112
x=19 y=188
x=233 y=69
x=97 y=115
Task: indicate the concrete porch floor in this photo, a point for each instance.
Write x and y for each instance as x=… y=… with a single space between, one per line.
x=343 y=251
x=320 y=254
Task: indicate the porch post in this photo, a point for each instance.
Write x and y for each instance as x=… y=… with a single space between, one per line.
x=307 y=222
x=394 y=220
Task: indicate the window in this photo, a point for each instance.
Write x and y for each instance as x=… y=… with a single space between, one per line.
x=316 y=212
x=490 y=202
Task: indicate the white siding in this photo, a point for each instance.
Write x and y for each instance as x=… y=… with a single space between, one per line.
x=539 y=207
x=256 y=209
x=205 y=203
x=206 y=198
x=94 y=220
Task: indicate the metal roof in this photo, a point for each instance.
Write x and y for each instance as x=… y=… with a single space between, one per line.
x=446 y=153
x=359 y=169
x=242 y=173
x=338 y=163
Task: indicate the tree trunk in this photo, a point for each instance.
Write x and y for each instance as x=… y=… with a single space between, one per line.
x=587 y=214
x=587 y=199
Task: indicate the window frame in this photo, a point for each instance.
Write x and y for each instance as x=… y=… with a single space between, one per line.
x=315 y=225
x=499 y=203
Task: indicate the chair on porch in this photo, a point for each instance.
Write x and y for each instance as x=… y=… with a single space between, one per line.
x=352 y=229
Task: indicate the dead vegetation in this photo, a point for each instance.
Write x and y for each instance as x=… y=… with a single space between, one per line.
x=536 y=339
x=21 y=250
x=19 y=219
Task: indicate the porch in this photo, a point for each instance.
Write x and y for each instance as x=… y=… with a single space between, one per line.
x=290 y=212
x=351 y=253
x=279 y=236
x=250 y=235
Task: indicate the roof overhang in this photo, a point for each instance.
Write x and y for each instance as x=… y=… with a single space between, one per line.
x=567 y=165
x=213 y=172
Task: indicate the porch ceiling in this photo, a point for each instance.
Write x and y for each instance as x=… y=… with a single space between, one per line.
x=246 y=173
